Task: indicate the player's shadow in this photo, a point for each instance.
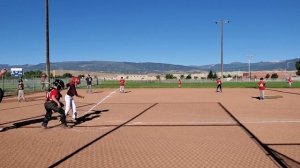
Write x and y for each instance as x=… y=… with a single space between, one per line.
x=284 y=91
x=126 y=92
x=26 y=123
x=89 y=116
x=97 y=91
x=256 y=97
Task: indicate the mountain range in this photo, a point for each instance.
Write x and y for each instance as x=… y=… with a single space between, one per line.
x=149 y=67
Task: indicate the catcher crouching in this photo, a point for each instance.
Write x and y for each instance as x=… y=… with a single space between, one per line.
x=52 y=103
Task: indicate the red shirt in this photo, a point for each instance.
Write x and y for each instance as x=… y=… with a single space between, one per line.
x=290 y=80
x=219 y=82
x=55 y=93
x=261 y=85
x=122 y=82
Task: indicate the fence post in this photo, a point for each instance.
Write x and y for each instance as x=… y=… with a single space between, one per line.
x=33 y=84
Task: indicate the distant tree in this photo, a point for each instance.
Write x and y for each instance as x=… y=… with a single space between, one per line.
x=267 y=76
x=210 y=75
x=30 y=74
x=229 y=76
x=274 y=76
x=170 y=76
x=215 y=76
x=67 y=75
x=196 y=77
x=81 y=76
x=189 y=76
x=181 y=76
x=158 y=77
x=298 y=67
x=8 y=74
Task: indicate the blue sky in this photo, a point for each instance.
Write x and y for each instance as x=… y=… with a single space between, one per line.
x=164 y=31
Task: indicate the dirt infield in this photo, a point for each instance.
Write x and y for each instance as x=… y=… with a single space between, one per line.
x=156 y=128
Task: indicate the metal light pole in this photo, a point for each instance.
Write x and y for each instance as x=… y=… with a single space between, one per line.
x=249 y=69
x=222 y=22
x=287 y=68
x=47 y=46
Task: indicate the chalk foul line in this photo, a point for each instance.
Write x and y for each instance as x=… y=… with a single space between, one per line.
x=102 y=100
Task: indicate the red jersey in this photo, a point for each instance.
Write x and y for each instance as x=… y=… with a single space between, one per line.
x=55 y=93
x=261 y=85
x=290 y=80
x=219 y=82
x=122 y=82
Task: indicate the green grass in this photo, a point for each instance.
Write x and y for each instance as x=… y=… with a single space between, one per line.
x=194 y=84
x=10 y=87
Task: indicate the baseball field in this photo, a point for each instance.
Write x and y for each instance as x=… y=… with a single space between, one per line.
x=155 y=128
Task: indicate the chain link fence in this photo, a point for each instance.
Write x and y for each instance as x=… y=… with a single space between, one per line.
x=9 y=85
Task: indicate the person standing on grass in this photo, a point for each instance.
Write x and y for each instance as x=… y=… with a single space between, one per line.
x=262 y=87
x=89 y=80
x=53 y=103
x=219 y=85
x=179 y=83
x=20 y=89
x=290 y=81
x=122 y=83
x=69 y=97
x=43 y=82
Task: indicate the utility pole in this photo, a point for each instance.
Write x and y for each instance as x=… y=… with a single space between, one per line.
x=249 y=69
x=222 y=22
x=47 y=46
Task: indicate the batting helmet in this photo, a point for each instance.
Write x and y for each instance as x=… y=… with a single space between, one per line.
x=59 y=84
x=75 y=80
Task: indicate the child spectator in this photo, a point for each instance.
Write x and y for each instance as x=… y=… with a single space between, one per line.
x=20 y=89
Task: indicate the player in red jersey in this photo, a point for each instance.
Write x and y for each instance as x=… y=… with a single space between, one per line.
x=219 y=85
x=262 y=87
x=122 y=83
x=290 y=81
x=53 y=104
x=179 y=83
